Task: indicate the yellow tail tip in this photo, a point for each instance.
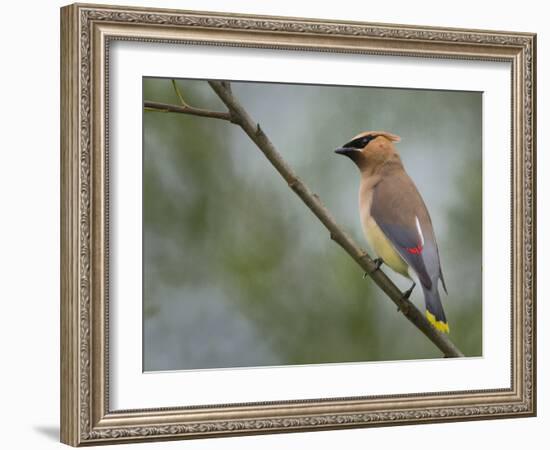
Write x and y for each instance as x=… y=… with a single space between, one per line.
x=438 y=324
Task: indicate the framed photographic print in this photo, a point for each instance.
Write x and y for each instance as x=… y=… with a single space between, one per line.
x=276 y=224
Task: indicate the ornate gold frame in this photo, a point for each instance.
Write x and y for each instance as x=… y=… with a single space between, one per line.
x=86 y=31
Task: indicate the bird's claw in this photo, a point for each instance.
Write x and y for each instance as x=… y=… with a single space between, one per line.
x=408 y=292
x=377 y=262
x=405 y=296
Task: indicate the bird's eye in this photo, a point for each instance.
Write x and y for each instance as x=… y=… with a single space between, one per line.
x=366 y=139
x=361 y=142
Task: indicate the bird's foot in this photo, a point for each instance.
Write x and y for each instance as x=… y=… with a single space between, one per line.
x=407 y=294
x=378 y=262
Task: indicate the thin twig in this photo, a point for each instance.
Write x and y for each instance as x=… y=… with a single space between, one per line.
x=178 y=93
x=237 y=114
x=166 y=107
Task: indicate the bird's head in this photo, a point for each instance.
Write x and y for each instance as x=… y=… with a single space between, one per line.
x=370 y=148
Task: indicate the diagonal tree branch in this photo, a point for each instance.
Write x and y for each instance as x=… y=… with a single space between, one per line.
x=238 y=115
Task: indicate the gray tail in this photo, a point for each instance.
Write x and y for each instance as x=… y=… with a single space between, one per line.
x=434 y=309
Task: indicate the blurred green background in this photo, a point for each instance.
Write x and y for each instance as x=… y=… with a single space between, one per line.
x=238 y=272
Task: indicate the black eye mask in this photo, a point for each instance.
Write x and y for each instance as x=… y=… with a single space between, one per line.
x=360 y=142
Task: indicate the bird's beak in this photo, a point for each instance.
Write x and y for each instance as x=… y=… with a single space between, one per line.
x=347 y=151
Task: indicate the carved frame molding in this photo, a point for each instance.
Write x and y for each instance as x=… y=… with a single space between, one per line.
x=86 y=32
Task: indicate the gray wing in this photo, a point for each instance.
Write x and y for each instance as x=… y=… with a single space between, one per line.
x=401 y=214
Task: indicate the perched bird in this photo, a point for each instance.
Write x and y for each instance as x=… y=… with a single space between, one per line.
x=395 y=219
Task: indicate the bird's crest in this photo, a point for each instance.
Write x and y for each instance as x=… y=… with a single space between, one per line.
x=390 y=136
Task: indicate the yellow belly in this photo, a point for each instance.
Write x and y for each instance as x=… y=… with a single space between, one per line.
x=383 y=247
x=376 y=238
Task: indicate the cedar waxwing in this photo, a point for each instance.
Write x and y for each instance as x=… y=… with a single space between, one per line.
x=395 y=219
